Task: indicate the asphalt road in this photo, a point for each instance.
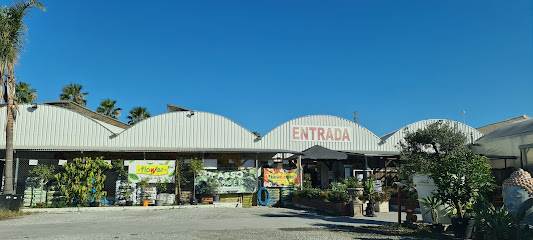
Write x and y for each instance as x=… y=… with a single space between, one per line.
x=212 y=223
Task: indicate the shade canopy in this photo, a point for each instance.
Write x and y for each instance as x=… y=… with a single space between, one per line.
x=318 y=152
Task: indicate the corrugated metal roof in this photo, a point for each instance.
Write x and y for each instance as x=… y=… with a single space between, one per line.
x=491 y=127
x=49 y=127
x=88 y=112
x=280 y=137
x=515 y=128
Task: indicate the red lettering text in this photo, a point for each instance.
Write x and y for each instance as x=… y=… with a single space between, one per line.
x=321 y=134
x=312 y=129
x=295 y=133
x=304 y=133
x=329 y=135
x=345 y=135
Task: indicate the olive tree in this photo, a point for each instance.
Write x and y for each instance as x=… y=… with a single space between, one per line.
x=424 y=148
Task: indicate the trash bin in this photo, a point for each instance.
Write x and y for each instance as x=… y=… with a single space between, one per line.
x=11 y=202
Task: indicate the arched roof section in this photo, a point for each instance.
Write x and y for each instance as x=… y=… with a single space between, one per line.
x=183 y=131
x=362 y=140
x=45 y=127
x=506 y=140
x=391 y=141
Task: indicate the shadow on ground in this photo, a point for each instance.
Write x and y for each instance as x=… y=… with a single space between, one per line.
x=335 y=220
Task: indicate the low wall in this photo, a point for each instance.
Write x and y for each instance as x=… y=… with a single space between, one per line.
x=341 y=209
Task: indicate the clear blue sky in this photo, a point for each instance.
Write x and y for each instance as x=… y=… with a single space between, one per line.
x=262 y=63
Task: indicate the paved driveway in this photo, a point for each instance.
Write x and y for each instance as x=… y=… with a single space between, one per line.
x=211 y=223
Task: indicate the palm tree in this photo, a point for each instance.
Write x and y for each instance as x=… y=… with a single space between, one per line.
x=107 y=107
x=138 y=114
x=12 y=39
x=72 y=92
x=24 y=93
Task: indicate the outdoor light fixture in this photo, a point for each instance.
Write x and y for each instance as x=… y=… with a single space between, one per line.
x=192 y=113
x=34 y=106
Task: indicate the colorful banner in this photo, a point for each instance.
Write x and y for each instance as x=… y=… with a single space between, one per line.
x=236 y=181
x=274 y=177
x=154 y=170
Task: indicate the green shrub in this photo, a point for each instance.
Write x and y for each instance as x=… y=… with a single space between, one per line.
x=80 y=177
x=332 y=196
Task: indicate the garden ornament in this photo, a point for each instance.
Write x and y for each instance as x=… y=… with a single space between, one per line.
x=516 y=190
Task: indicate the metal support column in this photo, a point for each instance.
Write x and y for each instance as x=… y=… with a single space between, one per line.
x=301 y=171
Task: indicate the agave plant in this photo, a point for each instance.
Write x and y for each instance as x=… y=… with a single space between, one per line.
x=431 y=203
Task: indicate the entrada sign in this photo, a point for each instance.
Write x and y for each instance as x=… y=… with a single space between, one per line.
x=321 y=133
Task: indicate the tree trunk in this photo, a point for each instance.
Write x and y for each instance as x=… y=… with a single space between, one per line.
x=42 y=188
x=9 y=147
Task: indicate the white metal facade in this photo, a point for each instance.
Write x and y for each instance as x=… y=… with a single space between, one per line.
x=55 y=128
x=280 y=138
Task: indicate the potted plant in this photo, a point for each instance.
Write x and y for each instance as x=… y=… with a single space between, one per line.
x=382 y=199
x=43 y=174
x=497 y=223
x=432 y=204
x=195 y=167
x=118 y=167
x=354 y=187
x=160 y=187
x=211 y=188
x=461 y=177
x=424 y=149
x=142 y=189
x=127 y=196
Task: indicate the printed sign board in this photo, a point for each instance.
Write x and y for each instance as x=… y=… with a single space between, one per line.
x=236 y=181
x=162 y=170
x=274 y=177
x=320 y=133
x=377 y=186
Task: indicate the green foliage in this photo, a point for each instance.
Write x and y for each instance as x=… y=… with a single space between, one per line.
x=496 y=223
x=460 y=177
x=44 y=173
x=24 y=93
x=211 y=186
x=385 y=195
x=352 y=182
x=160 y=186
x=426 y=147
x=118 y=166
x=307 y=183
x=337 y=186
x=332 y=196
x=431 y=203
x=196 y=165
x=80 y=177
x=72 y=92
x=107 y=108
x=138 y=114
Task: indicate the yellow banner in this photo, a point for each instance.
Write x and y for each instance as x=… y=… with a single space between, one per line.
x=152 y=169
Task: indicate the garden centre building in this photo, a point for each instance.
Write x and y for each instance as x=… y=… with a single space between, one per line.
x=327 y=147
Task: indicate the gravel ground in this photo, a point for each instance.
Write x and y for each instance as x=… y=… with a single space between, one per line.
x=215 y=223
